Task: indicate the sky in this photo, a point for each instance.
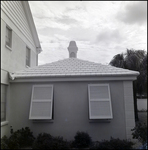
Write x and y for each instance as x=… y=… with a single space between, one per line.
x=101 y=29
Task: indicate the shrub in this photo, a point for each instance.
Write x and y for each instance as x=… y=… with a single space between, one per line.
x=42 y=141
x=59 y=143
x=18 y=139
x=25 y=137
x=113 y=144
x=4 y=142
x=94 y=145
x=10 y=143
x=46 y=141
x=140 y=132
x=82 y=140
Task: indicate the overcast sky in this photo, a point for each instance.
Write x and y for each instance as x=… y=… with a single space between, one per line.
x=101 y=29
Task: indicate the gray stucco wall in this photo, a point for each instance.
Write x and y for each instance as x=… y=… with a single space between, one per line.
x=70 y=111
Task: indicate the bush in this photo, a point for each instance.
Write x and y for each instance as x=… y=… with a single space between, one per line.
x=46 y=141
x=4 y=142
x=113 y=144
x=24 y=136
x=140 y=132
x=42 y=141
x=82 y=140
x=18 y=139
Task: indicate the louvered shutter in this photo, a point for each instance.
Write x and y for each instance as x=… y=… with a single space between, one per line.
x=99 y=101
x=41 y=102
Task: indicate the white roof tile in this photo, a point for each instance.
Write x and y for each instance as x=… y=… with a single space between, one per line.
x=72 y=67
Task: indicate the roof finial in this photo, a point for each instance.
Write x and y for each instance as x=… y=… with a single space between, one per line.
x=72 y=49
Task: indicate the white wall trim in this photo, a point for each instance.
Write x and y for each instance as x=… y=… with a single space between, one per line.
x=8 y=47
x=4 y=123
x=129 y=108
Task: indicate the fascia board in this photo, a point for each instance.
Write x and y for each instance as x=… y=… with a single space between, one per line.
x=64 y=79
x=32 y=25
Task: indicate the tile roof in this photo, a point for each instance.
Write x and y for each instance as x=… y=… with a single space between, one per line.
x=72 y=67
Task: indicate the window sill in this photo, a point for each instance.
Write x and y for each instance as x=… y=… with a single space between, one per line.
x=8 y=47
x=27 y=66
x=4 y=123
x=99 y=120
x=42 y=121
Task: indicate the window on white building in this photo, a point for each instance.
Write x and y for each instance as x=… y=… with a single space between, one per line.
x=27 y=57
x=99 y=101
x=41 y=102
x=3 y=102
x=8 y=37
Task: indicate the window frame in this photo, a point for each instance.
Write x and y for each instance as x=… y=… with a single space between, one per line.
x=41 y=100
x=4 y=100
x=28 y=57
x=100 y=100
x=9 y=37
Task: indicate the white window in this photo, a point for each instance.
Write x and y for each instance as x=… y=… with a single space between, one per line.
x=27 y=57
x=99 y=101
x=3 y=102
x=8 y=37
x=41 y=102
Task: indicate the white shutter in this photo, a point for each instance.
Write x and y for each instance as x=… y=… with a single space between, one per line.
x=99 y=101
x=41 y=102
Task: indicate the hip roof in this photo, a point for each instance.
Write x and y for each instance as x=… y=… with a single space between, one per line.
x=72 y=67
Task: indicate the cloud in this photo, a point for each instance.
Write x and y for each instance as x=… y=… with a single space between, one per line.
x=73 y=33
x=81 y=34
x=133 y=12
x=108 y=36
x=39 y=9
x=100 y=29
x=66 y=20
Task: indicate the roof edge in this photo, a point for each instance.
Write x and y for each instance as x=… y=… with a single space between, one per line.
x=32 y=25
x=72 y=78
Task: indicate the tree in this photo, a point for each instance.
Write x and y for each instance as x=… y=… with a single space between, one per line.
x=142 y=78
x=134 y=60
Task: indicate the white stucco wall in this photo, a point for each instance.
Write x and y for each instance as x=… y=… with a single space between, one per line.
x=14 y=59
x=70 y=110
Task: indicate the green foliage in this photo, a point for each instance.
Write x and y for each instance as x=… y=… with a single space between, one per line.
x=18 y=139
x=24 y=136
x=82 y=140
x=134 y=60
x=140 y=132
x=4 y=142
x=113 y=144
x=46 y=141
x=42 y=141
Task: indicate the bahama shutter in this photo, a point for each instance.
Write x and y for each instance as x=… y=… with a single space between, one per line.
x=41 y=102
x=99 y=101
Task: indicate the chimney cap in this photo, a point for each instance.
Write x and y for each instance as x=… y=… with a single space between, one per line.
x=72 y=49
x=72 y=43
